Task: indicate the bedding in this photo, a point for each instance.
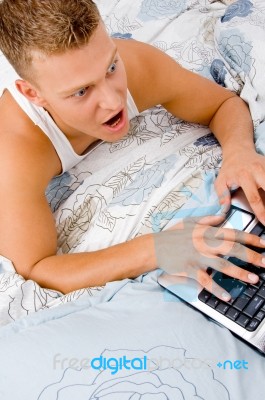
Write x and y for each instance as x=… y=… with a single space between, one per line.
x=161 y=172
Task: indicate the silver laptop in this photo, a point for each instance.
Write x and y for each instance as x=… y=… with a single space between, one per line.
x=244 y=314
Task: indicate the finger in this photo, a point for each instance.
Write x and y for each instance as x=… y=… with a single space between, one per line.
x=196 y=269
x=254 y=198
x=192 y=222
x=221 y=240
x=242 y=237
x=247 y=255
x=199 y=274
x=223 y=194
x=212 y=220
x=232 y=249
x=209 y=284
x=228 y=268
x=224 y=266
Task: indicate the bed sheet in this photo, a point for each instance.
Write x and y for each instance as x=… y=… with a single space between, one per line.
x=175 y=353
x=161 y=172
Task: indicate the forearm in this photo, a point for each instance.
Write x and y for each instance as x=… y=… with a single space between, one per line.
x=69 y=272
x=242 y=166
x=233 y=127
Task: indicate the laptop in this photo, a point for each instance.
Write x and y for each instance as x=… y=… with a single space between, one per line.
x=244 y=314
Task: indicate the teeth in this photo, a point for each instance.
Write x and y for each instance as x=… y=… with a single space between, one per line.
x=115 y=123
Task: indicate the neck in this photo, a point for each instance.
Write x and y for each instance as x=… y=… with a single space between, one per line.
x=78 y=140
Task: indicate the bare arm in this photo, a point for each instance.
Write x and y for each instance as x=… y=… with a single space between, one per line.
x=74 y=271
x=28 y=234
x=196 y=99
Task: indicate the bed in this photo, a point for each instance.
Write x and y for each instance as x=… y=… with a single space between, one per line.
x=132 y=339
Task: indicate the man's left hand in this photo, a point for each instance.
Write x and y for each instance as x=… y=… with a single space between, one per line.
x=245 y=169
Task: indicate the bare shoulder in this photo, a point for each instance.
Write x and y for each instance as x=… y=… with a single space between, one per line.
x=24 y=148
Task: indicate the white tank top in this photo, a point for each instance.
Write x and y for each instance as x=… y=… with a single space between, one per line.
x=41 y=117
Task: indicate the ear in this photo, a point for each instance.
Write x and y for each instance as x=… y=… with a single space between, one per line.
x=31 y=93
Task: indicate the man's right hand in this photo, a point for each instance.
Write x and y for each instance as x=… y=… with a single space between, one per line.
x=190 y=247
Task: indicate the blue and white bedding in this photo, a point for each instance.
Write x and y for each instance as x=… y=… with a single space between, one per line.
x=55 y=354
x=161 y=172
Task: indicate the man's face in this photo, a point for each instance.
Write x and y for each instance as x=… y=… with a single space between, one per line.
x=85 y=90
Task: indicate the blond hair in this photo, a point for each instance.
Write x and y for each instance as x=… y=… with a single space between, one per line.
x=44 y=26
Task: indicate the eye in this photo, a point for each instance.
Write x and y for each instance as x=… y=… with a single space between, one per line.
x=112 y=67
x=81 y=93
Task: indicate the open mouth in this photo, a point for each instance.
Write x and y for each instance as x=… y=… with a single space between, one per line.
x=114 y=121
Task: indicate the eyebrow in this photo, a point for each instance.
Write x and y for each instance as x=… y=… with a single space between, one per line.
x=75 y=89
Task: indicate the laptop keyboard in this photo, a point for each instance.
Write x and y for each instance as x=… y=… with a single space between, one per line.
x=247 y=304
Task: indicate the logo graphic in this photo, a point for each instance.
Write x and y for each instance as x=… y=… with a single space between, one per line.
x=117 y=364
x=237 y=364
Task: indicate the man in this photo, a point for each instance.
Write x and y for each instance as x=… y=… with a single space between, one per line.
x=71 y=92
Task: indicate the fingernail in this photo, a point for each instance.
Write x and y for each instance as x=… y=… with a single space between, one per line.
x=233 y=187
x=263 y=261
x=253 y=277
x=226 y=296
x=262 y=242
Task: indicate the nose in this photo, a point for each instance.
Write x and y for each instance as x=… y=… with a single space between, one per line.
x=109 y=98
